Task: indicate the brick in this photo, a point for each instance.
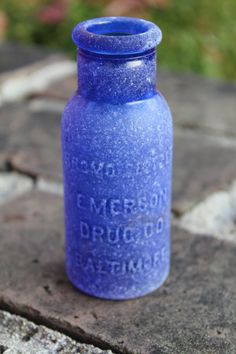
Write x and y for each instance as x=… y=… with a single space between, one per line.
x=3 y=161
x=21 y=83
x=62 y=89
x=202 y=165
x=200 y=103
x=13 y=185
x=19 y=336
x=13 y=118
x=14 y=56
x=31 y=140
x=49 y=187
x=28 y=70
x=214 y=216
x=193 y=312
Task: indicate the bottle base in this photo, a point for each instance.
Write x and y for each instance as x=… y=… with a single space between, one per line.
x=120 y=297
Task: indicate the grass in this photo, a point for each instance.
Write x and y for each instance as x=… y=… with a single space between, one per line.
x=199 y=36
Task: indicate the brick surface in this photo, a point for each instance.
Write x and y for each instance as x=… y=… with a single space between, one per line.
x=31 y=140
x=12 y=118
x=21 y=83
x=217 y=215
x=14 y=56
x=202 y=165
x=19 y=336
x=200 y=103
x=62 y=89
x=28 y=70
x=3 y=164
x=193 y=312
x=13 y=185
x=49 y=187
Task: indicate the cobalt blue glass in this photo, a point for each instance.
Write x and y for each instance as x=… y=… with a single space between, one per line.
x=117 y=162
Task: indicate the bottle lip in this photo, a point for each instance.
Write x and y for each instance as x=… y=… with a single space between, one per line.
x=116 y=35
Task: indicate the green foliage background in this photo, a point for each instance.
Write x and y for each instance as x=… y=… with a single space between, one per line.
x=198 y=35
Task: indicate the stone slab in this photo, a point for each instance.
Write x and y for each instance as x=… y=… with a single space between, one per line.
x=25 y=70
x=13 y=185
x=12 y=117
x=20 y=336
x=203 y=164
x=14 y=56
x=49 y=187
x=200 y=103
x=62 y=89
x=194 y=312
x=31 y=139
x=217 y=215
x=21 y=83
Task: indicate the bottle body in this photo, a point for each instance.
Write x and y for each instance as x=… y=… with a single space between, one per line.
x=117 y=180
x=117 y=162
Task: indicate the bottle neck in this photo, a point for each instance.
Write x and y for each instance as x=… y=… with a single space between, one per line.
x=116 y=79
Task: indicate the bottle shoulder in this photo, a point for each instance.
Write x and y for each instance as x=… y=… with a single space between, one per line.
x=79 y=104
x=92 y=116
x=98 y=127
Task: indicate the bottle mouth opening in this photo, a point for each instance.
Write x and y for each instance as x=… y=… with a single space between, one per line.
x=117 y=26
x=116 y=35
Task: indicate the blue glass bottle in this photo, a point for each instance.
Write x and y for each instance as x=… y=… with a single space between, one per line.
x=117 y=161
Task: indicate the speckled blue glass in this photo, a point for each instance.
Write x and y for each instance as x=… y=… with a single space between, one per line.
x=117 y=159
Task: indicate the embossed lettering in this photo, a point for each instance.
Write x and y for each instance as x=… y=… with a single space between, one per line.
x=115 y=206
x=147 y=264
x=101 y=169
x=74 y=163
x=113 y=266
x=80 y=201
x=128 y=235
x=84 y=230
x=137 y=265
x=160 y=225
x=110 y=170
x=129 y=206
x=156 y=258
x=142 y=203
x=89 y=265
x=97 y=233
x=113 y=236
x=99 y=208
x=84 y=166
x=121 y=234
x=97 y=168
x=148 y=229
x=100 y=269
x=138 y=168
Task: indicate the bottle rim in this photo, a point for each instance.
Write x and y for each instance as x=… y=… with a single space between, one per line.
x=116 y=35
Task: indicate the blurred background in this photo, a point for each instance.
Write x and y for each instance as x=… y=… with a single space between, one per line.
x=199 y=35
